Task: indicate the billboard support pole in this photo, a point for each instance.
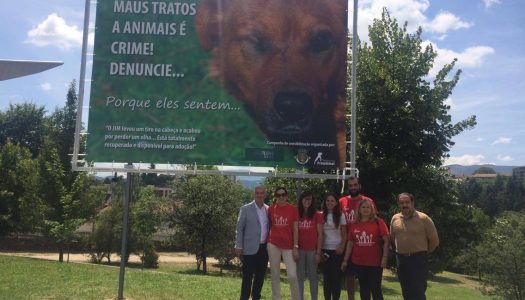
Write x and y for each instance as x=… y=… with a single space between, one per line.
x=353 y=109
x=81 y=84
x=125 y=230
x=299 y=186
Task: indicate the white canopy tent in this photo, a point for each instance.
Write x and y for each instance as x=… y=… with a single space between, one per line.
x=10 y=69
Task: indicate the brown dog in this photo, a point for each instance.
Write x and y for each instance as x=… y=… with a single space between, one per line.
x=285 y=59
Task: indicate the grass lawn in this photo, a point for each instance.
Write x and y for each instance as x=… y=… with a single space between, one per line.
x=27 y=278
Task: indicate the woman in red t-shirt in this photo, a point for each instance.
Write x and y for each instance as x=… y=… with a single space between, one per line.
x=283 y=241
x=310 y=242
x=368 y=245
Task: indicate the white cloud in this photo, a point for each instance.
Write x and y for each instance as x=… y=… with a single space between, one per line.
x=465 y=160
x=489 y=3
x=472 y=57
x=415 y=13
x=472 y=103
x=504 y=157
x=444 y=22
x=480 y=139
x=410 y=11
x=502 y=140
x=46 y=86
x=469 y=58
x=54 y=31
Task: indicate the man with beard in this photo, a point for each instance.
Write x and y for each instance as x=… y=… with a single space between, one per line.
x=349 y=208
x=414 y=236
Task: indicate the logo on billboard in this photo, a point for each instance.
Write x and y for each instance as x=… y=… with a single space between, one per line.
x=319 y=161
x=302 y=156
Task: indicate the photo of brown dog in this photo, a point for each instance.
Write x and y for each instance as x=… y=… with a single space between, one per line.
x=286 y=61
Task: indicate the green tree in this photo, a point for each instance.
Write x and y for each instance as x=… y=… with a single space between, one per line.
x=20 y=205
x=92 y=195
x=469 y=259
x=65 y=211
x=516 y=194
x=23 y=124
x=502 y=258
x=405 y=131
x=204 y=214
x=61 y=132
x=470 y=191
x=60 y=187
x=494 y=197
x=146 y=218
x=403 y=124
x=484 y=170
x=107 y=228
x=53 y=193
x=319 y=187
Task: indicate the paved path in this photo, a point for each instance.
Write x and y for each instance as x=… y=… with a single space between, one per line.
x=165 y=257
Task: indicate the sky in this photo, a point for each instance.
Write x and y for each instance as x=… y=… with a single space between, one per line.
x=486 y=36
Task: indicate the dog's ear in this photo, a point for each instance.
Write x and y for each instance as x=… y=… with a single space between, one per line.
x=208 y=22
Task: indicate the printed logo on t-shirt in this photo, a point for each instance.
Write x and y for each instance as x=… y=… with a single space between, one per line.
x=364 y=239
x=305 y=224
x=280 y=221
x=350 y=217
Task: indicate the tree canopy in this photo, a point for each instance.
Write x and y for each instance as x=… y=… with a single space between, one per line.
x=404 y=127
x=405 y=131
x=23 y=124
x=502 y=256
x=485 y=170
x=204 y=214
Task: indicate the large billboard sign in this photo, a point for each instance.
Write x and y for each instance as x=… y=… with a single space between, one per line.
x=233 y=82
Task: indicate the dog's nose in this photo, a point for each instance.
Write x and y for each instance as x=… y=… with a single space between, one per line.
x=293 y=106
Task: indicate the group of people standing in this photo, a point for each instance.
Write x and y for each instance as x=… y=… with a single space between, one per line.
x=346 y=238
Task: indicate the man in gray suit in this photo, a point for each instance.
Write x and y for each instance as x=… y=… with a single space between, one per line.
x=250 y=244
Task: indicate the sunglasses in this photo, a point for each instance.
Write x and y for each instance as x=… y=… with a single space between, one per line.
x=280 y=194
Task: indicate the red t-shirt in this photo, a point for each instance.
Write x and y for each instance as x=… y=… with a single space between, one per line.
x=281 y=225
x=349 y=207
x=308 y=231
x=366 y=236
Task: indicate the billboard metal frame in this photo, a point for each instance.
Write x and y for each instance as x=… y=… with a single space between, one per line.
x=80 y=164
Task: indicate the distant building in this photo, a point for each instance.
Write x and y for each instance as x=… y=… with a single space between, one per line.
x=163 y=192
x=484 y=176
x=519 y=172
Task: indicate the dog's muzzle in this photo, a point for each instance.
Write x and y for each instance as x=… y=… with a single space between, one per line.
x=294 y=112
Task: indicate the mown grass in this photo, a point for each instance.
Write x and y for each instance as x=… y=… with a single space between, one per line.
x=26 y=278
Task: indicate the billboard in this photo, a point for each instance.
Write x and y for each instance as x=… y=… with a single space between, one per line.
x=211 y=82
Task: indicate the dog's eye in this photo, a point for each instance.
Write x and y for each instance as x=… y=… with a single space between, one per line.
x=255 y=44
x=321 y=41
x=259 y=44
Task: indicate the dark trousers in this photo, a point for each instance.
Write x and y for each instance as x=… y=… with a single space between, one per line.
x=332 y=275
x=412 y=272
x=253 y=270
x=370 y=282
